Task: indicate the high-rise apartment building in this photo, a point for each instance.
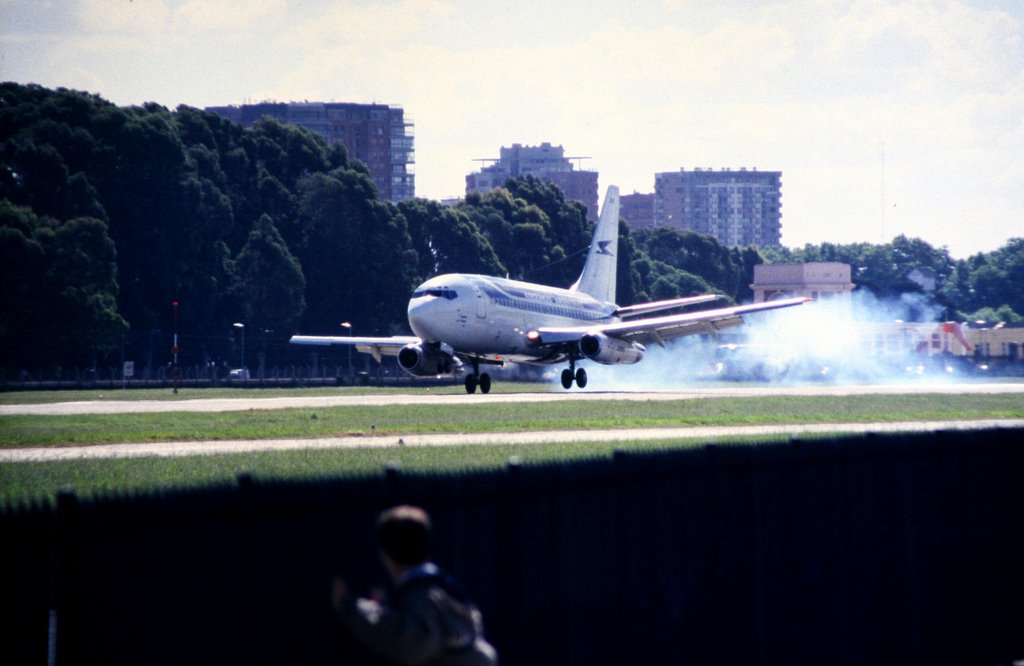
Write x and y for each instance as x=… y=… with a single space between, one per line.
x=637 y=210
x=377 y=134
x=737 y=207
x=544 y=161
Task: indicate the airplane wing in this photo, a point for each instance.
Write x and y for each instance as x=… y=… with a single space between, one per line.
x=660 y=329
x=377 y=347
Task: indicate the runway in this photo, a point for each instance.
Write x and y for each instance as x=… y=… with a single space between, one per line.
x=739 y=391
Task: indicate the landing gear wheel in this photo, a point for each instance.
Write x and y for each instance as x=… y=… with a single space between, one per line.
x=581 y=378
x=471 y=384
x=485 y=383
x=567 y=378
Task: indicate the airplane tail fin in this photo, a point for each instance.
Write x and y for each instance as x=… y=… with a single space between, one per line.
x=598 y=277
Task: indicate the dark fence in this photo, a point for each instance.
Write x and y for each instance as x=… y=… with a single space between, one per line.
x=862 y=550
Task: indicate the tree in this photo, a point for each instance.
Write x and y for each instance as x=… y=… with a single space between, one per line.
x=22 y=282
x=982 y=281
x=82 y=273
x=993 y=316
x=356 y=253
x=181 y=193
x=446 y=240
x=667 y=282
x=695 y=255
x=566 y=231
x=956 y=288
x=59 y=286
x=268 y=284
x=629 y=285
x=997 y=278
x=748 y=258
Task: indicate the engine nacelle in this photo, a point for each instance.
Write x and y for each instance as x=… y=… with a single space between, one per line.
x=600 y=348
x=420 y=362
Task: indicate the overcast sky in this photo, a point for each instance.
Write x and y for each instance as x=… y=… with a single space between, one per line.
x=883 y=117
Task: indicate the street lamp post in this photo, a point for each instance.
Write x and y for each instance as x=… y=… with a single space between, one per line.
x=175 y=348
x=263 y=355
x=348 y=325
x=240 y=325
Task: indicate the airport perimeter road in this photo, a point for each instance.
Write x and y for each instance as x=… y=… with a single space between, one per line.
x=739 y=391
x=174 y=449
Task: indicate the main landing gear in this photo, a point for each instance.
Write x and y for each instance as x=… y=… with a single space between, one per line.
x=483 y=380
x=573 y=373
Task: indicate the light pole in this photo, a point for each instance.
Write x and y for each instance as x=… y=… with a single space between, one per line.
x=175 y=348
x=242 y=367
x=348 y=325
x=263 y=355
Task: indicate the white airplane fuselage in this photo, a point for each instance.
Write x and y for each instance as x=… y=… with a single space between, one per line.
x=491 y=317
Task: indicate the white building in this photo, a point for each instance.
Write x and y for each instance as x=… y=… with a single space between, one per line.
x=820 y=280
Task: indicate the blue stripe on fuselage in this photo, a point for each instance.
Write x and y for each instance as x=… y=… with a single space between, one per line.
x=520 y=297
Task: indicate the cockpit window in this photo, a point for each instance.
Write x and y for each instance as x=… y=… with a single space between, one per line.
x=443 y=292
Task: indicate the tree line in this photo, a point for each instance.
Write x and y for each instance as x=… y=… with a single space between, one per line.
x=109 y=214
x=983 y=287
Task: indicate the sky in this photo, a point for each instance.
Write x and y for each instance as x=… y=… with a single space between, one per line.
x=884 y=117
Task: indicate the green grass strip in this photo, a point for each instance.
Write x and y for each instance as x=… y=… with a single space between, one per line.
x=79 y=430
x=22 y=483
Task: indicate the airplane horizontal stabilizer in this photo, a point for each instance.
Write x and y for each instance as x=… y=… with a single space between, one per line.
x=657 y=306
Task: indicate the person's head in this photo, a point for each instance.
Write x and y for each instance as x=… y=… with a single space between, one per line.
x=403 y=535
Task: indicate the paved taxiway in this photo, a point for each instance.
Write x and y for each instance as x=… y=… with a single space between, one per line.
x=739 y=391
x=169 y=449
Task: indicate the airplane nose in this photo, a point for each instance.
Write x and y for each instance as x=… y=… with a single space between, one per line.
x=419 y=312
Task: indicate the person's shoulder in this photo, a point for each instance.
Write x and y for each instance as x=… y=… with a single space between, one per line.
x=429 y=575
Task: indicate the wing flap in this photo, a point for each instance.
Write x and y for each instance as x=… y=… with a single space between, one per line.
x=670 y=331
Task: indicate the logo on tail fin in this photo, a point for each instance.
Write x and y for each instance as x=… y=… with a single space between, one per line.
x=598 y=276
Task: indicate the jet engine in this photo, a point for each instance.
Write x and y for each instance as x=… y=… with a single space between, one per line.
x=425 y=362
x=610 y=351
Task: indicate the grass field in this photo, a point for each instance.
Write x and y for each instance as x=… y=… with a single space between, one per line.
x=85 y=429
x=25 y=481
x=34 y=482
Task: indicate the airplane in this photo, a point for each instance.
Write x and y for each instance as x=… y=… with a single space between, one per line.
x=460 y=319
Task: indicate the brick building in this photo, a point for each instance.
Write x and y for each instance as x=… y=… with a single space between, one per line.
x=637 y=210
x=546 y=162
x=376 y=134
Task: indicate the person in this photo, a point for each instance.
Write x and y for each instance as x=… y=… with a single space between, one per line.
x=428 y=620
